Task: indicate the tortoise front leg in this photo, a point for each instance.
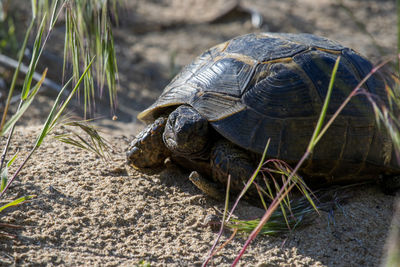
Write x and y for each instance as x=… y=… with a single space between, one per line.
x=148 y=149
x=226 y=159
x=229 y=159
x=206 y=186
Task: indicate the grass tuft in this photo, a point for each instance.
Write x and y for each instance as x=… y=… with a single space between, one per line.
x=88 y=33
x=298 y=212
x=94 y=142
x=45 y=16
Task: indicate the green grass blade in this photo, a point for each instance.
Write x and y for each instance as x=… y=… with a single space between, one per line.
x=54 y=15
x=9 y=124
x=51 y=114
x=4 y=178
x=314 y=140
x=253 y=177
x=111 y=68
x=17 y=202
x=4 y=172
x=10 y=162
x=62 y=108
x=34 y=8
x=15 y=76
x=89 y=33
x=35 y=58
x=54 y=115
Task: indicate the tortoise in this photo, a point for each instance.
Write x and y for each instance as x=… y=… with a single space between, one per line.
x=216 y=116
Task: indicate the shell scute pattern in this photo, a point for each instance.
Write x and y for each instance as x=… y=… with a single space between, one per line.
x=271 y=85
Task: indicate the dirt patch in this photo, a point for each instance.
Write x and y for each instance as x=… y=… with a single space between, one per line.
x=88 y=212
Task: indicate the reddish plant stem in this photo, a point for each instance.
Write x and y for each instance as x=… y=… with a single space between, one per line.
x=7 y=225
x=221 y=229
x=275 y=203
x=17 y=171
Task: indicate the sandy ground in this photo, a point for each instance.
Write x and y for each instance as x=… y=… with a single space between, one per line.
x=91 y=212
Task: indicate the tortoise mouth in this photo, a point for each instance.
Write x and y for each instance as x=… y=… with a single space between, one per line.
x=187 y=133
x=186 y=151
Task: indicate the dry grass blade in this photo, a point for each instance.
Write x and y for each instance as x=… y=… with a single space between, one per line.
x=386 y=116
x=88 y=33
x=96 y=143
x=226 y=242
x=3 y=234
x=224 y=219
x=8 y=225
x=23 y=106
x=51 y=121
x=15 y=76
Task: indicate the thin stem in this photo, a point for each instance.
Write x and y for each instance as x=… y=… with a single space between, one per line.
x=3 y=155
x=14 y=79
x=249 y=182
x=325 y=106
x=347 y=100
x=222 y=224
x=8 y=225
x=274 y=205
x=10 y=93
x=18 y=171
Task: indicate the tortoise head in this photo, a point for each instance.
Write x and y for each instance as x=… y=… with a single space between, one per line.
x=187 y=133
x=148 y=149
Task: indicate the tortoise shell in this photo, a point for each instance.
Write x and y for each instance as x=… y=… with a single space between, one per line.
x=273 y=85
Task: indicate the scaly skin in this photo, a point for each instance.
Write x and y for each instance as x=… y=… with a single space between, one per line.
x=186 y=134
x=185 y=137
x=207 y=187
x=228 y=159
